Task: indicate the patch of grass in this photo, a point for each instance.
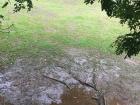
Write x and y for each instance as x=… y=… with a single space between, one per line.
x=53 y=25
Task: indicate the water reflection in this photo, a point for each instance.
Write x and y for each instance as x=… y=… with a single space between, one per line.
x=76 y=96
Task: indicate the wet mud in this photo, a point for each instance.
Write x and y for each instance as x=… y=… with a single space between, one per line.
x=23 y=83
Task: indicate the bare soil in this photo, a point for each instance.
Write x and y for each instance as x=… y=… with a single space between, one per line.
x=22 y=83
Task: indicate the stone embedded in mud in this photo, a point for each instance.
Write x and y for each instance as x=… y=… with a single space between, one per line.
x=71 y=81
x=81 y=61
x=103 y=61
x=50 y=94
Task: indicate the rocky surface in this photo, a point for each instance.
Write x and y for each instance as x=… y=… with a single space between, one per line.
x=23 y=83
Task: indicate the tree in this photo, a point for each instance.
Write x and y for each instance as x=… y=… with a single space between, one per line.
x=18 y=5
x=128 y=11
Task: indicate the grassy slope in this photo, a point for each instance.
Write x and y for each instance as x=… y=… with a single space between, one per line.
x=55 y=24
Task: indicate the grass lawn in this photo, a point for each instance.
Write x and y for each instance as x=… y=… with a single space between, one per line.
x=53 y=25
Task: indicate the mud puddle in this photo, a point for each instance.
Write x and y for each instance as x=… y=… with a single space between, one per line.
x=78 y=96
x=74 y=96
x=23 y=83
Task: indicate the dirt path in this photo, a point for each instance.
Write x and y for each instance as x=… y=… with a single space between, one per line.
x=23 y=83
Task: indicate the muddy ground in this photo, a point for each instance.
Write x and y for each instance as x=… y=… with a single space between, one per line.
x=23 y=83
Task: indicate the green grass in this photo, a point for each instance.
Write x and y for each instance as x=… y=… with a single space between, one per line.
x=53 y=25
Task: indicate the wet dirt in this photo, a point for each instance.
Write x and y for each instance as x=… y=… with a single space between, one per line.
x=74 y=96
x=23 y=83
x=78 y=96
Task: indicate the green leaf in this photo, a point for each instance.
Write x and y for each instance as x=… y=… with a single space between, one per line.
x=1 y=17
x=5 y=4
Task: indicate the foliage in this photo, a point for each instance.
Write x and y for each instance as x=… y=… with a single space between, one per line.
x=129 y=43
x=18 y=5
x=128 y=11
